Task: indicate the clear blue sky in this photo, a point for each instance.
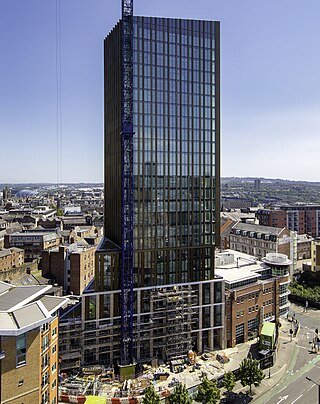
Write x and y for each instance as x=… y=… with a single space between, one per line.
x=270 y=86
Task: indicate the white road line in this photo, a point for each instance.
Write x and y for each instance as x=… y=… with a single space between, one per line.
x=279 y=370
x=282 y=399
x=312 y=385
x=296 y=399
x=304 y=347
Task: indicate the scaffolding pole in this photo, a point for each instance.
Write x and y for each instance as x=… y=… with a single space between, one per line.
x=173 y=310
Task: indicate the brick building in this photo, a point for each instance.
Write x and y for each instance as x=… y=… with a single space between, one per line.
x=315 y=255
x=86 y=233
x=232 y=202
x=258 y=241
x=302 y=219
x=83 y=232
x=71 y=221
x=28 y=344
x=11 y=258
x=11 y=228
x=225 y=230
x=33 y=242
x=255 y=291
x=273 y=218
x=72 y=267
x=304 y=242
x=50 y=223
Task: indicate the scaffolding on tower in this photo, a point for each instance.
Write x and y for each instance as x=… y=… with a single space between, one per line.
x=172 y=318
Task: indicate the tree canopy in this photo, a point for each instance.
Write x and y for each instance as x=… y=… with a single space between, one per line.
x=151 y=397
x=250 y=372
x=229 y=381
x=180 y=395
x=306 y=291
x=208 y=392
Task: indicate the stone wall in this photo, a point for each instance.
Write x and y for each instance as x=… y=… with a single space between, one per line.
x=16 y=273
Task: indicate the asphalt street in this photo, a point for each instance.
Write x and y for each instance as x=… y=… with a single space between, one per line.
x=293 y=387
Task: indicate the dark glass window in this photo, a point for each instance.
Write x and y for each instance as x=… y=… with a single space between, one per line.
x=21 y=346
x=174 y=145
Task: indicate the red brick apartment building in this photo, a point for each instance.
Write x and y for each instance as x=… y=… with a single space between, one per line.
x=255 y=291
x=302 y=219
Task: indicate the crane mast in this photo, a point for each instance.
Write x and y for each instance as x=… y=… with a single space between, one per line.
x=126 y=272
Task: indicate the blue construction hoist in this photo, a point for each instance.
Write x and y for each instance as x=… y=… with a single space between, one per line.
x=126 y=275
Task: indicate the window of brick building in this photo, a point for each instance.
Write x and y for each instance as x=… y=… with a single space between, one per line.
x=21 y=346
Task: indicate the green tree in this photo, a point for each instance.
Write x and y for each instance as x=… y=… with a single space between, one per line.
x=59 y=212
x=208 y=392
x=229 y=382
x=250 y=372
x=180 y=395
x=151 y=397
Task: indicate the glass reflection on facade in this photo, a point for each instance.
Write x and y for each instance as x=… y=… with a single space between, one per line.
x=175 y=137
x=176 y=104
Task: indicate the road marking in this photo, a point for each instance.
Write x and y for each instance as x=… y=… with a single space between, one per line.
x=279 y=370
x=309 y=388
x=296 y=399
x=282 y=399
x=304 y=347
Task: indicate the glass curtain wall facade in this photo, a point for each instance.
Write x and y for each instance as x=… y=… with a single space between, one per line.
x=176 y=152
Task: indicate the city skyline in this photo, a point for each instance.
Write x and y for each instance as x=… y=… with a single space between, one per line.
x=269 y=99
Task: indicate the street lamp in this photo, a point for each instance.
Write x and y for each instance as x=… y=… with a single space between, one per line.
x=317 y=384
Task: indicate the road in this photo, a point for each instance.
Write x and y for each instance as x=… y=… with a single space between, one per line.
x=294 y=388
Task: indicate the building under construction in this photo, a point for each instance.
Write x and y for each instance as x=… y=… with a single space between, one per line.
x=155 y=293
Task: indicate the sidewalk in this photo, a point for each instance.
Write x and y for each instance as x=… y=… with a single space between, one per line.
x=286 y=346
x=284 y=353
x=311 y=311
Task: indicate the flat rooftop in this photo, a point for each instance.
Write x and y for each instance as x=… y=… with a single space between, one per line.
x=234 y=266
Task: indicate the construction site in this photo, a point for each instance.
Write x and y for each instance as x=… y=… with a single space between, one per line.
x=104 y=384
x=155 y=296
x=166 y=329
x=172 y=314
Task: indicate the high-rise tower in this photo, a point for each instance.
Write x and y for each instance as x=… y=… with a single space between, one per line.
x=174 y=301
